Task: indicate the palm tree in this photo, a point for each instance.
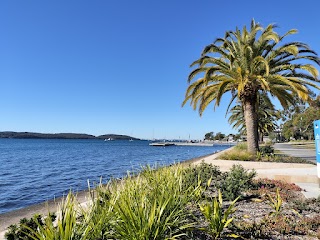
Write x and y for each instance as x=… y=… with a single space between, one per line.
x=246 y=62
x=267 y=116
x=237 y=119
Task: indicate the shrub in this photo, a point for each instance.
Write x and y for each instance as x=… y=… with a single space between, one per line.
x=266 y=150
x=202 y=172
x=237 y=180
x=26 y=227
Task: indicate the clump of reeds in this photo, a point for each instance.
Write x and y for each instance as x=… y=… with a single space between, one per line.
x=153 y=205
x=149 y=205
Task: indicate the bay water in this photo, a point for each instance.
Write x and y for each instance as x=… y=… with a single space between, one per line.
x=37 y=170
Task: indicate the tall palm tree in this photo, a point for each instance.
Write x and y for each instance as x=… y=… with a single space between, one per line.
x=236 y=119
x=245 y=62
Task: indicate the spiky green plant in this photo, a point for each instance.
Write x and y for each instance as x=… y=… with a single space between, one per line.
x=275 y=203
x=99 y=217
x=217 y=218
x=153 y=205
x=66 y=227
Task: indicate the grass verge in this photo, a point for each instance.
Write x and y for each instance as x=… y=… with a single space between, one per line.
x=240 y=153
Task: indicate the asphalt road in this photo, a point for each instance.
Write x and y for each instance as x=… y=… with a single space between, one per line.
x=293 y=150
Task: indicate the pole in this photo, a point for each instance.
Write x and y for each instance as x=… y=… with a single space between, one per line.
x=316 y=127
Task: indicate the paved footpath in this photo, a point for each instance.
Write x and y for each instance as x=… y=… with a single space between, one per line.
x=296 y=151
x=312 y=189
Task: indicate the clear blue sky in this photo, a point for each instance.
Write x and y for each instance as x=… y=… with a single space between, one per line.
x=121 y=67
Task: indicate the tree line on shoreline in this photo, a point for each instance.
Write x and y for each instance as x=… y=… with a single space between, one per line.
x=30 y=135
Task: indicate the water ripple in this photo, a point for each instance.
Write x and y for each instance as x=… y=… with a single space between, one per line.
x=36 y=170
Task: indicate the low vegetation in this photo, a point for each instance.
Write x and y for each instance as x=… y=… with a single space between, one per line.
x=195 y=202
x=266 y=154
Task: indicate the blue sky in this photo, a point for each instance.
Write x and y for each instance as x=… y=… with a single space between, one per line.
x=121 y=67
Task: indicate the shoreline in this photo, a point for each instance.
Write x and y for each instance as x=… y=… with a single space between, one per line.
x=289 y=172
x=13 y=217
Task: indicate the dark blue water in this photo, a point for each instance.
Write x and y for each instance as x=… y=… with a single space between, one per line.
x=36 y=170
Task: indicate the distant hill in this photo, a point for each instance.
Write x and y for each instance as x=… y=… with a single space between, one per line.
x=10 y=134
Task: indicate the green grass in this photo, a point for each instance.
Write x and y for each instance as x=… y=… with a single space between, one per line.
x=241 y=146
x=306 y=145
x=240 y=153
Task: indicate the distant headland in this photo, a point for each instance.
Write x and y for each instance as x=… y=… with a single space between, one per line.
x=25 y=135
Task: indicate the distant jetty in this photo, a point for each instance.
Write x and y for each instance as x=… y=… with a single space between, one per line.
x=161 y=144
x=33 y=135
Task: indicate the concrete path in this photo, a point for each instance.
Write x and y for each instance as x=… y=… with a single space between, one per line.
x=296 y=151
x=312 y=189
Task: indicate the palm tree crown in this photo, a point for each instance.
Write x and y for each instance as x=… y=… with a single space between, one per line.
x=250 y=61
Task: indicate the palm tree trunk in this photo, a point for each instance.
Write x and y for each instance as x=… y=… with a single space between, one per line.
x=260 y=136
x=250 y=117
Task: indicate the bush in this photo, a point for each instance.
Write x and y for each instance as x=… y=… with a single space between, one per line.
x=237 y=181
x=202 y=172
x=266 y=150
x=26 y=227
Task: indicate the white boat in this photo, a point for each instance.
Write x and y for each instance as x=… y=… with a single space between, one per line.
x=108 y=139
x=131 y=140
